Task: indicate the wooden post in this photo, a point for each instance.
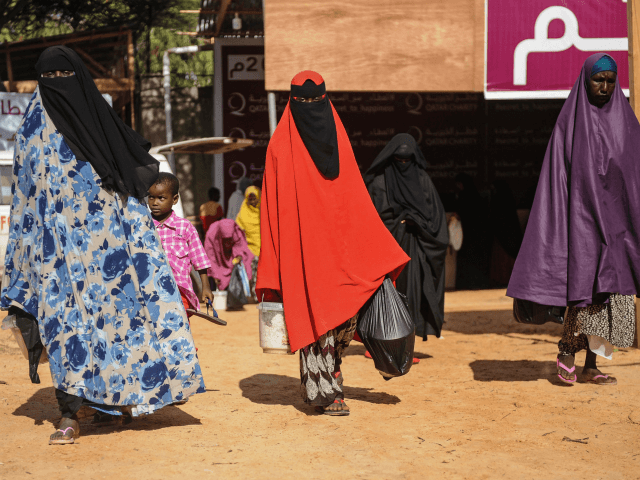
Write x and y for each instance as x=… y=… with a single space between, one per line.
x=224 y=5
x=131 y=76
x=9 y=71
x=633 y=19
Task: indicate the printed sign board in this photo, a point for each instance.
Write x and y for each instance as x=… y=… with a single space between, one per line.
x=12 y=108
x=535 y=49
x=240 y=111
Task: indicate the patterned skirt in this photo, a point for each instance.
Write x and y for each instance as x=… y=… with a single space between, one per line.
x=614 y=323
x=320 y=375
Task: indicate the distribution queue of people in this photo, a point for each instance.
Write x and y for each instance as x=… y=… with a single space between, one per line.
x=104 y=276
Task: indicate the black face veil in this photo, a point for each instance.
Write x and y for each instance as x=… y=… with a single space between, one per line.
x=405 y=192
x=317 y=127
x=91 y=128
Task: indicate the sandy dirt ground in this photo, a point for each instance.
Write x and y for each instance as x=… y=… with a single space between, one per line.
x=483 y=403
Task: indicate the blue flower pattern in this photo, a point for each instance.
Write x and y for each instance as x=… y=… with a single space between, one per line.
x=88 y=264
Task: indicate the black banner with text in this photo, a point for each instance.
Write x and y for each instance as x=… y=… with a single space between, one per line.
x=458 y=132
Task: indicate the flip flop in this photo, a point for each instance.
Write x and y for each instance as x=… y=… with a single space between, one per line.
x=334 y=413
x=62 y=440
x=600 y=379
x=562 y=366
x=66 y=438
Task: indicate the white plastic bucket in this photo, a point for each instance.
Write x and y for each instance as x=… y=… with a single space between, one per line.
x=274 y=337
x=220 y=300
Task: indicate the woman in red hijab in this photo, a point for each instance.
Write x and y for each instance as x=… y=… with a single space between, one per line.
x=324 y=249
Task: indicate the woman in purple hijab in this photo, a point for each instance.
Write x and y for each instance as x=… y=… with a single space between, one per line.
x=224 y=243
x=581 y=248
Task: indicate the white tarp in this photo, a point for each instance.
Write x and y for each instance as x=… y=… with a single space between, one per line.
x=12 y=108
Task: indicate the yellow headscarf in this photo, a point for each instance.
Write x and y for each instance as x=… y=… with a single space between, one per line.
x=249 y=220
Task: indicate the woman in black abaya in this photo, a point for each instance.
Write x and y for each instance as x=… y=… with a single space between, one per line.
x=410 y=207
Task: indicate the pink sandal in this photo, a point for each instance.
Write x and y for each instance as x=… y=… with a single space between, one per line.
x=560 y=365
x=599 y=378
x=65 y=439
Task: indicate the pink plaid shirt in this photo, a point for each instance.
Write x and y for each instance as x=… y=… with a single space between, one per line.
x=183 y=248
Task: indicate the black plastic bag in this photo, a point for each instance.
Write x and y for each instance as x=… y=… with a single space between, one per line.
x=236 y=297
x=28 y=326
x=387 y=331
x=531 y=313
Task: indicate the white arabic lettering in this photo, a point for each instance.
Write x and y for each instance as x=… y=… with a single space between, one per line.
x=541 y=42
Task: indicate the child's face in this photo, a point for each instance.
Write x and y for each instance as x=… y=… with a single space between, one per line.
x=161 y=201
x=252 y=199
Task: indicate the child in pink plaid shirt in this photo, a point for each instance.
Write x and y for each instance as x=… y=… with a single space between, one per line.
x=179 y=239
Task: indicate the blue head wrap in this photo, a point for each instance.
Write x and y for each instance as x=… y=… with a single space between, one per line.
x=605 y=64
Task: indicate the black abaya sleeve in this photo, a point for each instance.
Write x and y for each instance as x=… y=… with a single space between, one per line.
x=378 y=192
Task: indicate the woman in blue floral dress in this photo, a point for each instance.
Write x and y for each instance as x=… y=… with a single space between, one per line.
x=84 y=258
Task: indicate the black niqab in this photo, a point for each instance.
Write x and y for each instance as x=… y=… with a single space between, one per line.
x=317 y=127
x=411 y=209
x=404 y=190
x=91 y=128
x=405 y=193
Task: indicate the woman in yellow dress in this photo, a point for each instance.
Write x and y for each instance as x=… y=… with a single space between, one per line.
x=249 y=218
x=249 y=221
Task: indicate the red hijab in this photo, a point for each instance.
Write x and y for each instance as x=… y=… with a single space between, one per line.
x=324 y=247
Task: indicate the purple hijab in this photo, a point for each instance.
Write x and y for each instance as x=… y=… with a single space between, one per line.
x=583 y=236
x=226 y=230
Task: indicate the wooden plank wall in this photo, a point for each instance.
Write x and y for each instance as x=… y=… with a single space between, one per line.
x=377 y=45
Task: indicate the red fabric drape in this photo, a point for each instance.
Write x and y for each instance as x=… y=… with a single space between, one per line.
x=324 y=247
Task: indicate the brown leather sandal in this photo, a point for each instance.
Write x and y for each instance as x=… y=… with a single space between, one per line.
x=335 y=413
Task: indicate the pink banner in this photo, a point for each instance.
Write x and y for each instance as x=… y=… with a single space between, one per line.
x=535 y=48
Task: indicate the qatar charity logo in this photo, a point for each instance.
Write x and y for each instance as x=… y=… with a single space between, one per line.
x=541 y=43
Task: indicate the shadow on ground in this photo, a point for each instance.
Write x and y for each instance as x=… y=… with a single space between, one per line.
x=270 y=389
x=498 y=321
x=513 y=370
x=42 y=408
